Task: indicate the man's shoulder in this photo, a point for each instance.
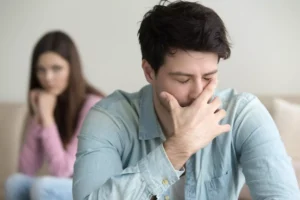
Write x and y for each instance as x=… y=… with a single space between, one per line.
x=235 y=101
x=121 y=104
x=232 y=95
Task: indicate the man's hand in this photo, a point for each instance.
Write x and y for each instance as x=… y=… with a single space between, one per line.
x=195 y=126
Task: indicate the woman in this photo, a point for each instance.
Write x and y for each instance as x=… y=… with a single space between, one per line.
x=59 y=99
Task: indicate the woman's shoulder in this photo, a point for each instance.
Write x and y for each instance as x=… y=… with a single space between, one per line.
x=92 y=98
x=90 y=101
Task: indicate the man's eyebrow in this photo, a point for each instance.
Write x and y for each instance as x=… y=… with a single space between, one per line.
x=187 y=74
x=180 y=74
x=210 y=73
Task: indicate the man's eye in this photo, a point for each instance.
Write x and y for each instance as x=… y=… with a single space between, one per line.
x=183 y=81
x=207 y=79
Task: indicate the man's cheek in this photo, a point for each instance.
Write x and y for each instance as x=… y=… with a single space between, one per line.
x=182 y=100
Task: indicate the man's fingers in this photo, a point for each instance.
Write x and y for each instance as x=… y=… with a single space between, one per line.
x=169 y=101
x=224 y=128
x=220 y=114
x=215 y=104
x=207 y=93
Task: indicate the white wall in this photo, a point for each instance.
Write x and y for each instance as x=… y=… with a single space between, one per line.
x=265 y=36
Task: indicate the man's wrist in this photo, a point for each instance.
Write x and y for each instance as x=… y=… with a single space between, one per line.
x=176 y=156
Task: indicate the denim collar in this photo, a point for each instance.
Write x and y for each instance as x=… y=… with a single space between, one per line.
x=149 y=127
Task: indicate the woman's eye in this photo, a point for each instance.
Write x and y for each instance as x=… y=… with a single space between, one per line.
x=56 y=68
x=40 y=70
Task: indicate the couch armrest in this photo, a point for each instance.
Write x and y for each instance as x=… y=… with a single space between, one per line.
x=12 y=118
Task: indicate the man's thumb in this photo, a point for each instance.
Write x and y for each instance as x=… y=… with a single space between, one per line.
x=169 y=101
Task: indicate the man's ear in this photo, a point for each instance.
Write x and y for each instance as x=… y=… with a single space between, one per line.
x=148 y=71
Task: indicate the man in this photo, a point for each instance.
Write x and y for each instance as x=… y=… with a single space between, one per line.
x=178 y=137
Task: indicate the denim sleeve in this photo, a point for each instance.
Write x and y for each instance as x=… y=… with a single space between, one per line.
x=98 y=170
x=267 y=167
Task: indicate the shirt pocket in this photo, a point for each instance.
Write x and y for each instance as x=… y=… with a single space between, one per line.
x=218 y=187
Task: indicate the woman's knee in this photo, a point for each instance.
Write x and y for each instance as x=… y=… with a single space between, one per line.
x=41 y=188
x=17 y=184
x=51 y=188
x=15 y=181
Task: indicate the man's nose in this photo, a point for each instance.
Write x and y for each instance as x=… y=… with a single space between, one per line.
x=196 y=90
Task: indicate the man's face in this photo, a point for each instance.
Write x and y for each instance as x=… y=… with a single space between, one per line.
x=184 y=75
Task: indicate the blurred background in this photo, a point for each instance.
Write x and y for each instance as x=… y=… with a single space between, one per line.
x=264 y=36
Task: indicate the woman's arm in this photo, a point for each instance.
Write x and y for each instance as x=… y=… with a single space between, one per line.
x=31 y=155
x=60 y=160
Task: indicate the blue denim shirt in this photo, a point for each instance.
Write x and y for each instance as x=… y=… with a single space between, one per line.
x=120 y=154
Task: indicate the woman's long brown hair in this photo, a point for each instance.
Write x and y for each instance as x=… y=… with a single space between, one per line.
x=69 y=103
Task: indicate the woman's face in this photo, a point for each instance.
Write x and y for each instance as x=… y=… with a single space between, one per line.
x=53 y=71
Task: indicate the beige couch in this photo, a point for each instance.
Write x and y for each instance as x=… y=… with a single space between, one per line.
x=12 y=122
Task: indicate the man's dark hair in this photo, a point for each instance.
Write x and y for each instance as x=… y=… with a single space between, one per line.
x=181 y=25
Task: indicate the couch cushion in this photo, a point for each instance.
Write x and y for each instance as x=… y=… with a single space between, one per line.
x=268 y=100
x=287 y=119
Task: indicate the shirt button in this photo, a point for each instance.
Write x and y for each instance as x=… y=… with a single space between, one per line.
x=167 y=198
x=165 y=182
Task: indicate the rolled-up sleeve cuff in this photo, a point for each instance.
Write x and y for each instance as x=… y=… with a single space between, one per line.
x=158 y=172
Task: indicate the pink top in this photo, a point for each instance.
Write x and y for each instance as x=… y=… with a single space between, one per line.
x=45 y=143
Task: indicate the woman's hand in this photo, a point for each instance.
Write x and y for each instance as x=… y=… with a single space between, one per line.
x=46 y=106
x=34 y=96
x=43 y=104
